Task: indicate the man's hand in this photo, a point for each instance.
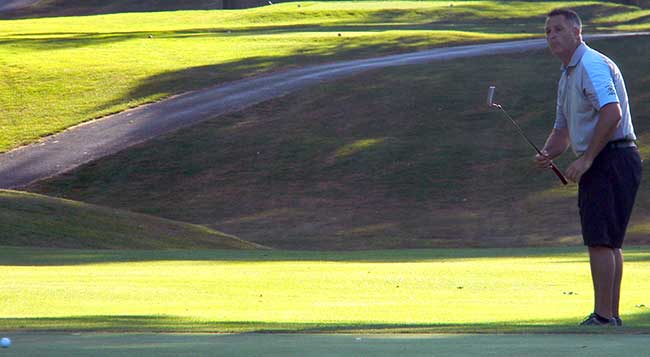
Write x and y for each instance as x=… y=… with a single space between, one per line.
x=543 y=161
x=556 y=144
x=578 y=168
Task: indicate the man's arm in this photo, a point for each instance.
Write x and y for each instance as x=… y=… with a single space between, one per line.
x=608 y=121
x=556 y=145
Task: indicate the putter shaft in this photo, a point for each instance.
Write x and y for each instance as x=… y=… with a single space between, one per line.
x=555 y=169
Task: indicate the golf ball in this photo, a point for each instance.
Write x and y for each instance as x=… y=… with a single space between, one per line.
x=5 y=342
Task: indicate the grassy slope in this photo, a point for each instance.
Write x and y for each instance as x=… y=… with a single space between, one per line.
x=32 y=220
x=89 y=7
x=47 y=8
x=359 y=183
x=493 y=290
x=116 y=64
x=403 y=157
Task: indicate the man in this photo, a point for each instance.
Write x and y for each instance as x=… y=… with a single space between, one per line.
x=593 y=117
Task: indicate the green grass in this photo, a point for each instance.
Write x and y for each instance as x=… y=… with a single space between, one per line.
x=32 y=220
x=406 y=157
x=489 y=290
x=57 y=344
x=49 y=8
x=115 y=63
x=319 y=345
x=52 y=8
x=402 y=157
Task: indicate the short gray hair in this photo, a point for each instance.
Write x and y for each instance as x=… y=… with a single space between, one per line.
x=568 y=14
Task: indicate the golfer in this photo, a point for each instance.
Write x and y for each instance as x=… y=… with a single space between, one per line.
x=593 y=117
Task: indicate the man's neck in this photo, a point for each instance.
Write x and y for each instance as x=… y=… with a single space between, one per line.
x=566 y=59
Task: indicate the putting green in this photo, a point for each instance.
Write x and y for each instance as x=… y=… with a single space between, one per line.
x=425 y=291
x=325 y=345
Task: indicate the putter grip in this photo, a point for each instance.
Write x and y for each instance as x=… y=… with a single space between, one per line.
x=558 y=173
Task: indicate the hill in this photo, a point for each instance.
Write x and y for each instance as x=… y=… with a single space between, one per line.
x=406 y=157
x=31 y=220
x=120 y=61
x=402 y=157
x=51 y=8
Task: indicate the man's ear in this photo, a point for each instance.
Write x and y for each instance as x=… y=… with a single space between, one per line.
x=578 y=32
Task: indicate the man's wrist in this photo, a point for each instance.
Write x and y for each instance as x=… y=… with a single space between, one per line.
x=548 y=154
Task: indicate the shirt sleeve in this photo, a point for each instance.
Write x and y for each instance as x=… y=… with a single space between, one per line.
x=560 y=119
x=599 y=85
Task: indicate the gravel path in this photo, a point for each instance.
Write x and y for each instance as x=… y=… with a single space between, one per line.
x=87 y=142
x=8 y=5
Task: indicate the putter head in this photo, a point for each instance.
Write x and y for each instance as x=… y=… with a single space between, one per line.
x=490 y=96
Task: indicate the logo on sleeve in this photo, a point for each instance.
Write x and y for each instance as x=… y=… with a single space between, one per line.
x=611 y=90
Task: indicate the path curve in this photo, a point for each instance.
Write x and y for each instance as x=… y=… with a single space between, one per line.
x=9 y=5
x=90 y=141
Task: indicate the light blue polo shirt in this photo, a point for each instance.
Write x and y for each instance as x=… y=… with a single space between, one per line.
x=588 y=83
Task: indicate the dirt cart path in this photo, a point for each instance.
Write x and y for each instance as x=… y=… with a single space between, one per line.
x=8 y=5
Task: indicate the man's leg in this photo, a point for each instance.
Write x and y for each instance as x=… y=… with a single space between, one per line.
x=618 y=277
x=603 y=269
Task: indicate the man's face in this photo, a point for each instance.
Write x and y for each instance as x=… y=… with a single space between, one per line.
x=562 y=37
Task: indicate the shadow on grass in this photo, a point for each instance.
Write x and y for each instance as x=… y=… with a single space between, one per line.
x=18 y=256
x=62 y=40
x=54 y=8
x=450 y=14
x=199 y=77
x=46 y=41
x=193 y=78
x=293 y=163
x=637 y=323
x=483 y=19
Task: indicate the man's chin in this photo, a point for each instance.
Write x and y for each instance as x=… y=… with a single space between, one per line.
x=555 y=51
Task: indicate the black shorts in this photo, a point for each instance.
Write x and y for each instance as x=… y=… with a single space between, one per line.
x=606 y=196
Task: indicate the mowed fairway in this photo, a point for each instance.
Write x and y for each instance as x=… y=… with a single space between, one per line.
x=482 y=290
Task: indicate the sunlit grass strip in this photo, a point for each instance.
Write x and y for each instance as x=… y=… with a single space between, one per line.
x=357 y=146
x=624 y=17
x=247 y=291
x=308 y=13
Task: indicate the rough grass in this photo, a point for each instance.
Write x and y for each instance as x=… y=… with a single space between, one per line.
x=124 y=60
x=31 y=220
x=402 y=157
x=465 y=290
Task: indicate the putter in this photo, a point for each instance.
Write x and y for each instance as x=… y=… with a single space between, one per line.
x=492 y=104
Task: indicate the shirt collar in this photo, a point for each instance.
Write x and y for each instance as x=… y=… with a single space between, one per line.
x=577 y=56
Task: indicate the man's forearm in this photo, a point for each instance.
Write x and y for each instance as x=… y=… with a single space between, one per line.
x=609 y=119
x=557 y=143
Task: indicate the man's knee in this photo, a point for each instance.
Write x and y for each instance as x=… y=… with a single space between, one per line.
x=601 y=248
